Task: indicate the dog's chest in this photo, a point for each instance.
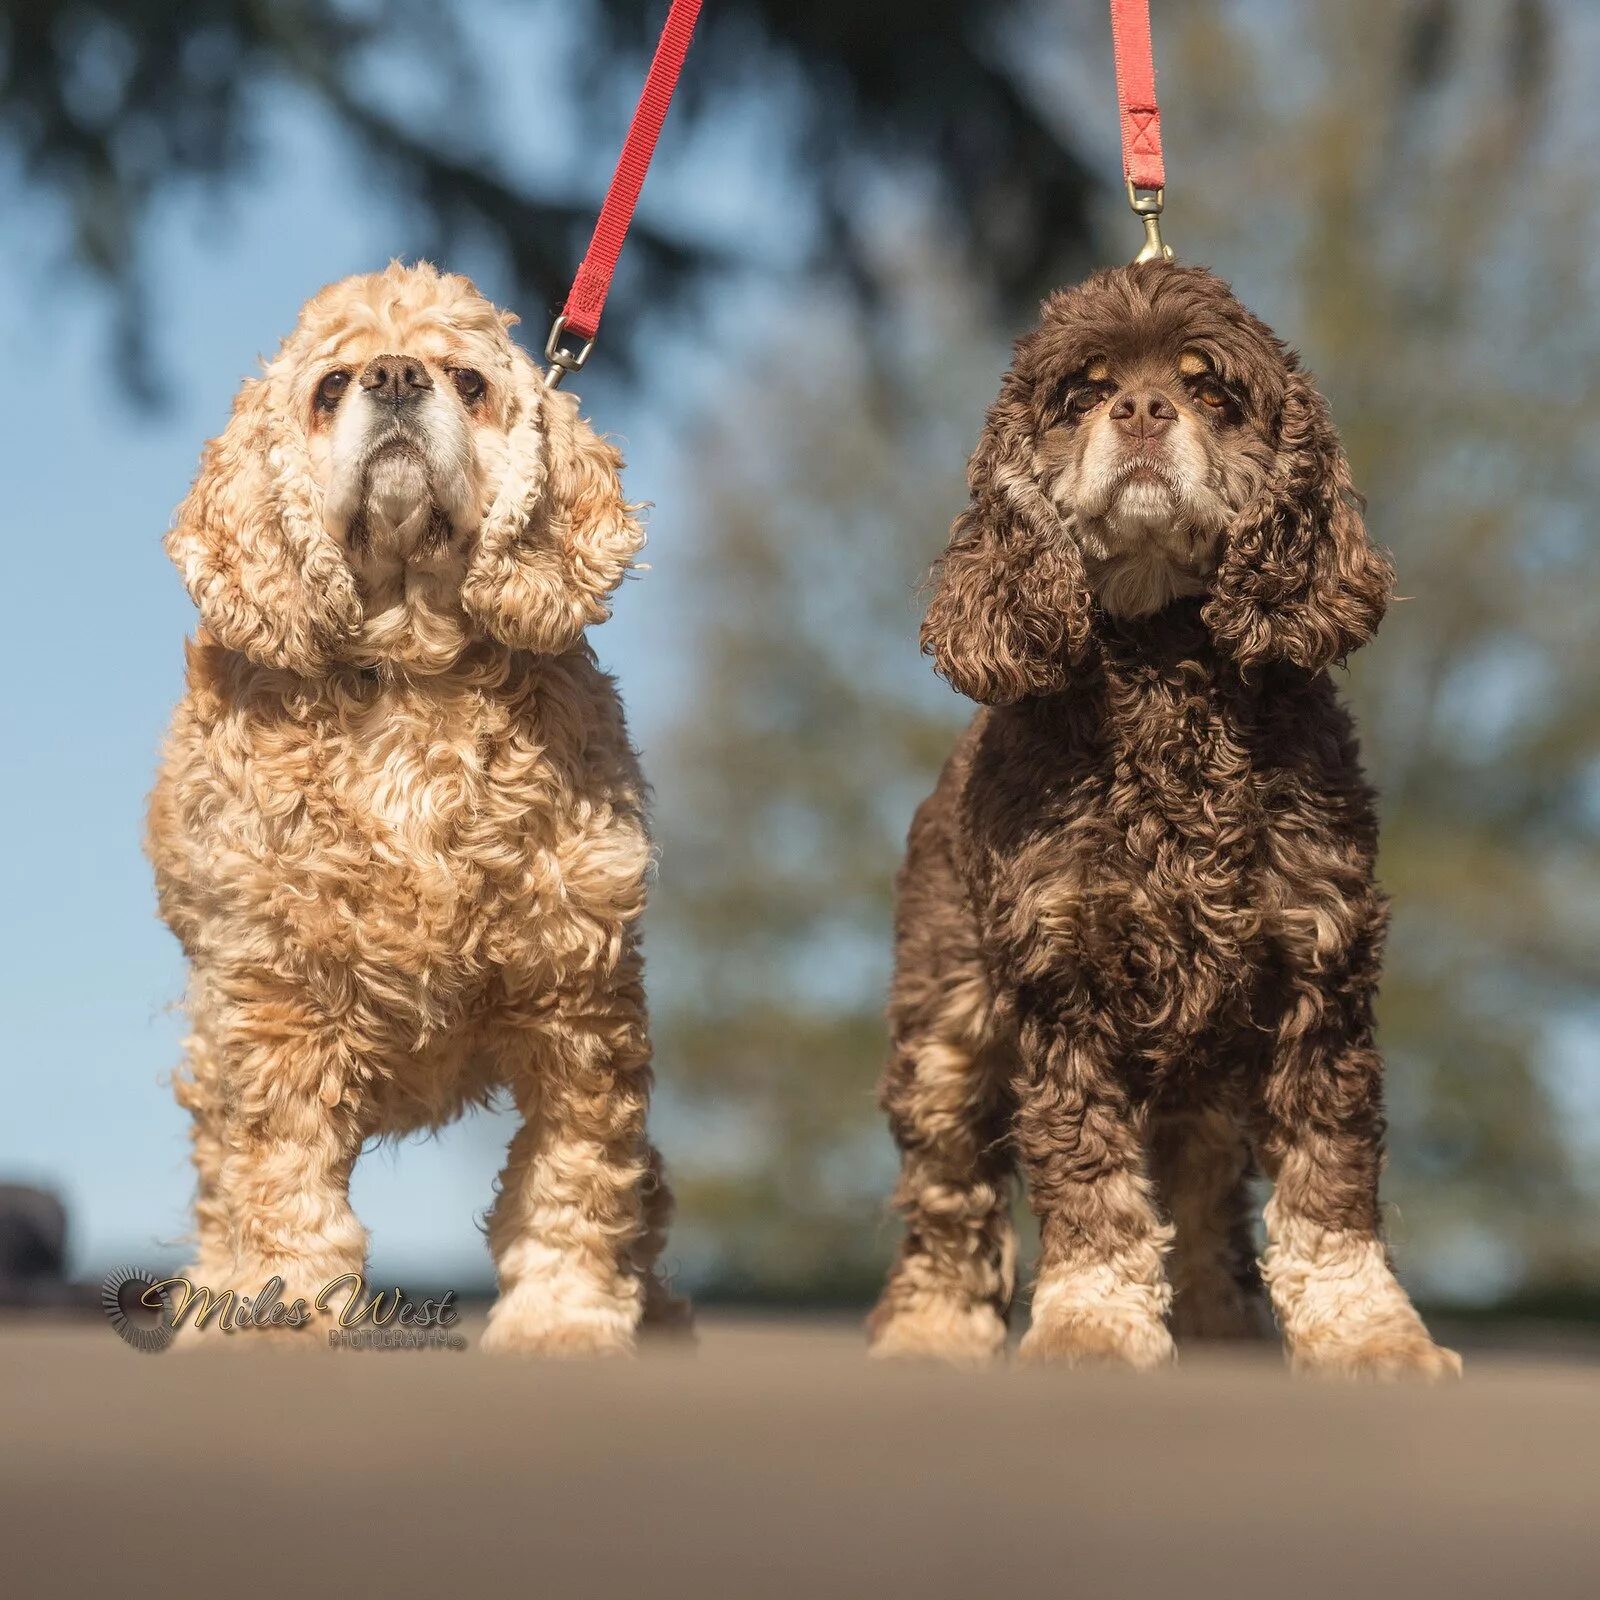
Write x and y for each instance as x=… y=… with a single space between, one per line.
x=411 y=830
x=410 y=844
x=1189 y=837
x=1178 y=810
x=419 y=782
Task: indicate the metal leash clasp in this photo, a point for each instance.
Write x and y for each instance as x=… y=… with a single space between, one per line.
x=560 y=360
x=1147 y=206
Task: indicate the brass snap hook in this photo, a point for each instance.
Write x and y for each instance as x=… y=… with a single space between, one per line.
x=1147 y=205
x=562 y=360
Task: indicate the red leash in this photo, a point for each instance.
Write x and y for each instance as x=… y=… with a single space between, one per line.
x=581 y=314
x=1142 y=163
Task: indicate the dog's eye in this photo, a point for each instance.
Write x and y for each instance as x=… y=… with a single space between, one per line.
x=332 y=388
x=469 y=384
x=1212 y=394
x=1085 y=397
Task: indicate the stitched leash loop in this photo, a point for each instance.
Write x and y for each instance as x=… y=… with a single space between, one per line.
x=1143 y=165
x=580 y=316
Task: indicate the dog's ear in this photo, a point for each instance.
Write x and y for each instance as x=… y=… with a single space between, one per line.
x=1011 y=606
x=1298 y=580
x=249 y=541
x=559 y=535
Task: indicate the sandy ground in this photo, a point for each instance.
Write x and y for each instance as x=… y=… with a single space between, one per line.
x=776 y=1461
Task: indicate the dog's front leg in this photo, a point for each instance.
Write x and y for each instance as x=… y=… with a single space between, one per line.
x=199 y=1092
x=1101 y=1295
x=279 y=1134
x=572 y=1220
x=1320 y=1135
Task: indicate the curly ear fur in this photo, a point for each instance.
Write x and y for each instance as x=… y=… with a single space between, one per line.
x=559 y=535
x=1298 y=580
x=250 y=544
x=1010 y=609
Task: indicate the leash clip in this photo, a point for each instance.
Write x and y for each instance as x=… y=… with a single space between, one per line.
x=562 y=359
x=1147 y=205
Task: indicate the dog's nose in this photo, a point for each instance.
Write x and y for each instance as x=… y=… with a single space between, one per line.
x=1144 y=415
x=395 y=379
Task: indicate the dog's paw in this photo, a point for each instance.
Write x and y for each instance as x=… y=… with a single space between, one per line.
x=560 y=1332
x=955 y=1331
x=1081 y=1340
x=1387 y=1357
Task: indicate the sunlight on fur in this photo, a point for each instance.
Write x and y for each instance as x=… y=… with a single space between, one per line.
x=399 y=828
x=1138 y=934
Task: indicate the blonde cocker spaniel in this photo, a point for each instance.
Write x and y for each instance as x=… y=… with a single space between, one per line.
x=399 y=828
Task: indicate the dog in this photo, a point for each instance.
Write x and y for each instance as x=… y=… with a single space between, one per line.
x=399 y=829
x=1137 y=930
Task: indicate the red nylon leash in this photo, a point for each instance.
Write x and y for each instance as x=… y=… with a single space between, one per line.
x=587 y=299
x=1142 y=164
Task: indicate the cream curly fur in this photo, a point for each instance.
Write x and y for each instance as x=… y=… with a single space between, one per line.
x=399 y=828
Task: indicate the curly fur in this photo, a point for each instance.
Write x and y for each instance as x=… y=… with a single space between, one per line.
x=1138 y=934
x=399 y=828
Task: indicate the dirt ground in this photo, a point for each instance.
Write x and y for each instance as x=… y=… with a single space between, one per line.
x=776 y=1461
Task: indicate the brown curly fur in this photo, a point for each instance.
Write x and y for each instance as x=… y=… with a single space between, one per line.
x=1138 y=935
x=399 y=828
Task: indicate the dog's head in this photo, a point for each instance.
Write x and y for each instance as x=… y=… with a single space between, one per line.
x=397 y=482
x=1152 y=440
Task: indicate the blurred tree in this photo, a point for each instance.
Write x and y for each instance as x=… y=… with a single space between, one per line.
x=1379 y=175
x=1381 y=180
x=1416 y=212
x=784 y=804
x=1461 y=343
x=109 y=103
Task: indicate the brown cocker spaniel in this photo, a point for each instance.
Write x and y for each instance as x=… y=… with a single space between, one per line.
x=1138 y=935
x=399 y=828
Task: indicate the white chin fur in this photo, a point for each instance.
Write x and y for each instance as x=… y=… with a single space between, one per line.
x=1144 y=505
x=1138 y=582
x=1148 y=547
x=1143 y=553
x=400 y=499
